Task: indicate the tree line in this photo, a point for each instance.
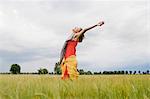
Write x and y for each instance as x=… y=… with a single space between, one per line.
x=16 y=69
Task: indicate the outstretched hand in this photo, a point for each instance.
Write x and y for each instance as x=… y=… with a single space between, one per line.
x=100 y=23
x=89 y=28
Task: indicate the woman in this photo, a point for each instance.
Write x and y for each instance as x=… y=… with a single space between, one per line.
x=68 y=60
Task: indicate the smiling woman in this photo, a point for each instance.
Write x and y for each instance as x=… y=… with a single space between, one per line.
x=68 y=54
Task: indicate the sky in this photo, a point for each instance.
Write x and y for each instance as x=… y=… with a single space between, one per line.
x=32 y=33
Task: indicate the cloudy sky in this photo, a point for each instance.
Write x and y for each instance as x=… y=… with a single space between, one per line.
x=32 y=33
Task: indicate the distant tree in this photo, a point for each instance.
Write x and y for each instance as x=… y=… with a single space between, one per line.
x=45 y=71
x=130 y=72
x=89 y=73
x=99 y=73
x=95 y=73
x=104 y=72
x=122 y=72
x=116 y=72
x=126 y=72
x=81 y=71
x=110 y=72
x=51 y=73
x=57 y=68
x=134 y=72
x=144 y=72
x=139 y=72
x=42 y=71
x=15 y=69
x=147 y=71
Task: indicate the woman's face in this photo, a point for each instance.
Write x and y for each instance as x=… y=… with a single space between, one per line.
x=76 y=29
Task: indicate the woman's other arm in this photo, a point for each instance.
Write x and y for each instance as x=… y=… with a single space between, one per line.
x=87 y=29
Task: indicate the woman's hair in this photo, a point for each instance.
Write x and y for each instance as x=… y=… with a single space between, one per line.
x=81 y=37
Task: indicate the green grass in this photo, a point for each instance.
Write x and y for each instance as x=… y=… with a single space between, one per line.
x=86 y=87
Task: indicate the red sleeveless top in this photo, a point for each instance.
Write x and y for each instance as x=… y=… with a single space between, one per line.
x=71 y=48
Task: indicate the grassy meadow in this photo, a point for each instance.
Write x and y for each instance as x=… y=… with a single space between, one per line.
x=86 y=87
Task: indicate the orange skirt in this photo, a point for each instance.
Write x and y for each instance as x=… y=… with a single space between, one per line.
x=69 y=68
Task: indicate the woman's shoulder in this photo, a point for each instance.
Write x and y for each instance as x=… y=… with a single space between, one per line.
x=72 y=41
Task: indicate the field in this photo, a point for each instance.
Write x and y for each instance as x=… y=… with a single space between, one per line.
x=86 y=87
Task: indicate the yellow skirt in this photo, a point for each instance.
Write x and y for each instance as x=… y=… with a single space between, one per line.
x=69 y=68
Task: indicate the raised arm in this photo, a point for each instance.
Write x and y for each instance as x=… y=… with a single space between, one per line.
x=87 y=29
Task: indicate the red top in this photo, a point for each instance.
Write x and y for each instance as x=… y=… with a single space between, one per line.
x=71 y=48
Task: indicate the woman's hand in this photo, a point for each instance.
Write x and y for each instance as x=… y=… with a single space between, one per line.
x=100 y=23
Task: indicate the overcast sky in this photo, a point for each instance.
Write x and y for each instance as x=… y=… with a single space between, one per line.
x=32 y=33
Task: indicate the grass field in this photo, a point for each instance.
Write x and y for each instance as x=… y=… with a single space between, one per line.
x=86 y=87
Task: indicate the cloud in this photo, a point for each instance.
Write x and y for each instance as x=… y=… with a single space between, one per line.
x=32 y=33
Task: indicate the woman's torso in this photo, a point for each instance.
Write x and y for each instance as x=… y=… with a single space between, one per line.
x=71 y=48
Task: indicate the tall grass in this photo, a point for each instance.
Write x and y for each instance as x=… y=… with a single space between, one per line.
x=86 y=87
